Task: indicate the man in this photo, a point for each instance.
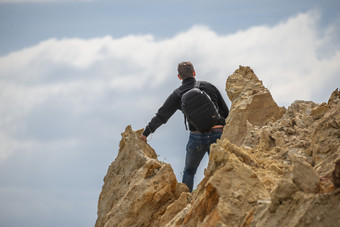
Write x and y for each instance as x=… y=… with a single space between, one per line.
x=199 y=142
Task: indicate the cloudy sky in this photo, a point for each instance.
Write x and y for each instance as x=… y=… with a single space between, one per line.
x=74 y=74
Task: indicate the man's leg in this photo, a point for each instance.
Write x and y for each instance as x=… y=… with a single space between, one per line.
x=195 y=152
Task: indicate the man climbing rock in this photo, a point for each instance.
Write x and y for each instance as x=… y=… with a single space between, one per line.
x=204 y=110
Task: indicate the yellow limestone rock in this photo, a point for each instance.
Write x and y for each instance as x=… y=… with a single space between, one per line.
x=272 y=167
x=138 y=188
x=251 y=102
x=305 y=177
x=325 y=138
x=291 y=207
x=228 y=194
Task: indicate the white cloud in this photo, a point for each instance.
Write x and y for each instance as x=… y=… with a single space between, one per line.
x=84 y=77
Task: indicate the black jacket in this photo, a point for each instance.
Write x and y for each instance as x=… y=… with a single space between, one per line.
x=173 y=103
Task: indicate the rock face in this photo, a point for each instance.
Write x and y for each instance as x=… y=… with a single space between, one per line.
x=138 y=189
x=272 y=167
x=252 y=103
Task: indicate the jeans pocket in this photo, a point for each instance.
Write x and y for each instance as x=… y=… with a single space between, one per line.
x=194 y=147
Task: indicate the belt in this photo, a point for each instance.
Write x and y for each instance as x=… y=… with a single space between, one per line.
x=216 y=128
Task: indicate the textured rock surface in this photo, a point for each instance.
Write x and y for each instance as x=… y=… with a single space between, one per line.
x=272 y=167
x=251 y=102
x=138 y=189
x=228 y=193
x=305 y=177
x=300 y=209
x=336 y=174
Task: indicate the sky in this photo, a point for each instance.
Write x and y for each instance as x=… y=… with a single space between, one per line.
x=74 y=74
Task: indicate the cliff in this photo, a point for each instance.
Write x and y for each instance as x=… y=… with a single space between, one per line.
x=272 y=167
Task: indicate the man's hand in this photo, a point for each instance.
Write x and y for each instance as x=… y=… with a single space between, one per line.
x=143 y=138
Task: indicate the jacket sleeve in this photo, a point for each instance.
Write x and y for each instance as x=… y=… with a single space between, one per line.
x=222 y=106
x=171 y=104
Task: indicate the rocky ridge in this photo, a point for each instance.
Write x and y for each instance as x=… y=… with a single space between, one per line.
x=272 y=167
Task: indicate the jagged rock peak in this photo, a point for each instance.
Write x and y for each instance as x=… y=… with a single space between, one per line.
x=139 y=189
x=243 y=83
x=252 y=104
x=335 y=98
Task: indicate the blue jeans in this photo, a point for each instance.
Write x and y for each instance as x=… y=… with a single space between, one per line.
x=198 y=145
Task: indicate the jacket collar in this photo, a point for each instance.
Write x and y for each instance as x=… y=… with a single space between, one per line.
x=189 y=80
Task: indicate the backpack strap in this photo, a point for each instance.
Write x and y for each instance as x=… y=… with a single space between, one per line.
x=185 y=123
x=178 y=92
x=197 y=84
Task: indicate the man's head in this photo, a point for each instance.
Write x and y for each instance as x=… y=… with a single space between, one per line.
x=185 y=70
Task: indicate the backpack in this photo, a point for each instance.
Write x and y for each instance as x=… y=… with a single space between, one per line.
x=199 y=109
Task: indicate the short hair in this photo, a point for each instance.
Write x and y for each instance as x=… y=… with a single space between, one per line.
x=185 y=70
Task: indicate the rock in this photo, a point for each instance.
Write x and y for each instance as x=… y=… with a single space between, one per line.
x=336 y=174
x=320 y=111
x=138 y=188
x=325 y=135
x=173 y=209
x=300 y=210
x=275 y=168
x=241 y=152
x=251 y=102
x=272 y=167
x=283 y=191
x=305 y=177
x=300 y=133
x=335 y=98
x=227 y=194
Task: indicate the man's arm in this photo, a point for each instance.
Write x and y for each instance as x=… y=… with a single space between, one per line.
x=171 y=104
x=222 y=106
